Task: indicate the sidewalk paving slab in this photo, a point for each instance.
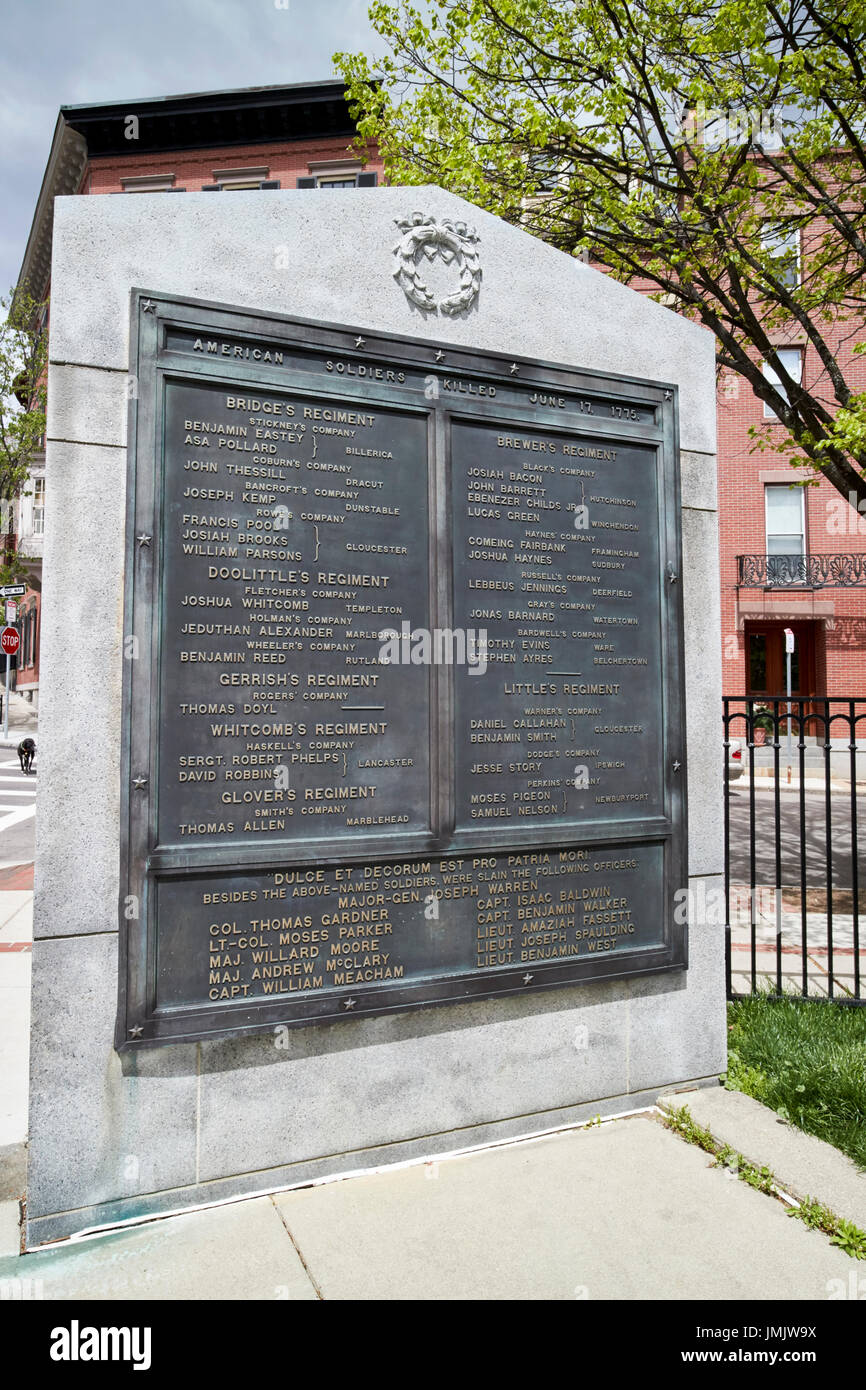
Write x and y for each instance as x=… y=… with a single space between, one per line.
x=14 y=1045
x=623 y=1211
x=16 y=915
x=804 y=1165
x=627 y=1210
x=10 y=1227
x=238 y=1251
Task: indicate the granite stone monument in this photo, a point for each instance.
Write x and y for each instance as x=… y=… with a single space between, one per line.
x=378 y=809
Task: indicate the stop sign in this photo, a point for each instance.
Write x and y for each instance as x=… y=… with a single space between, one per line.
x=9 y=641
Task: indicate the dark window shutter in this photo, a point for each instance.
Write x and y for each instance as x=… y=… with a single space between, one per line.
x=306 y=183
x=270 y=183
x=211 y=188
x=367 y=180
x=175 y=190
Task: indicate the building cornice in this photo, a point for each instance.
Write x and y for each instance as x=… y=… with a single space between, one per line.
x=211 y=120
x=198 y=120
x=64 y=171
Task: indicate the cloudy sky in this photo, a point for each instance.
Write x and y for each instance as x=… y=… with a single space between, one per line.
x=61 y=52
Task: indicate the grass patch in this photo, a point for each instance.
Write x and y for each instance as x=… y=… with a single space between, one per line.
x=806 y=1061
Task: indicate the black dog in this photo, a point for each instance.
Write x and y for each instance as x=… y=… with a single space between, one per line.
x=26 y=753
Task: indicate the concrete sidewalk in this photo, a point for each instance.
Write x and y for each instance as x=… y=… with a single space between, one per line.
x=623 y=1210
x=803 y=1165
x=23 y=720
x=16 y=937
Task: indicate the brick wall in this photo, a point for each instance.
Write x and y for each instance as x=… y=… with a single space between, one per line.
x=286 y=161
x=832 y=527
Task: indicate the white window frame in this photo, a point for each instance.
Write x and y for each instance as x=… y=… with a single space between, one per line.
x=771 y=375
x=331 y=171
x=237 y=180
x=798 y=493
x=148 y=183
x=38 y=507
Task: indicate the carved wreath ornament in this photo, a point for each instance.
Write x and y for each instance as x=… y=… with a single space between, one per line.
x=451 y=241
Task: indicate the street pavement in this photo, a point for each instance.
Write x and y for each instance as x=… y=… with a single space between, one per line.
x=17 y=809
x=789 y=820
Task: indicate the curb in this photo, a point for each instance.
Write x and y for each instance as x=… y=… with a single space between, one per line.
x=801 y=1164
x=810 y=784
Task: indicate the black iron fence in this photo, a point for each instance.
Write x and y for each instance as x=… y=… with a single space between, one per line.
x=794 y=801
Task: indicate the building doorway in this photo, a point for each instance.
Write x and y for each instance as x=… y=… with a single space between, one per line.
x=765 y=659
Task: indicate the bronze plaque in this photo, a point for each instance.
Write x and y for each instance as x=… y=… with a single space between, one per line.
x=403 y=716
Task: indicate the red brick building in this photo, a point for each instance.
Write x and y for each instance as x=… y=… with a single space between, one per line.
x=791 y=556
x=260 y=138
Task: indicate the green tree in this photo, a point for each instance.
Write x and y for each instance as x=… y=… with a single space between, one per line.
x=712 y=148
x=22 y=409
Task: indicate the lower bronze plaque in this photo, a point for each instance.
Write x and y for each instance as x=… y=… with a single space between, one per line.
x=403 y=717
